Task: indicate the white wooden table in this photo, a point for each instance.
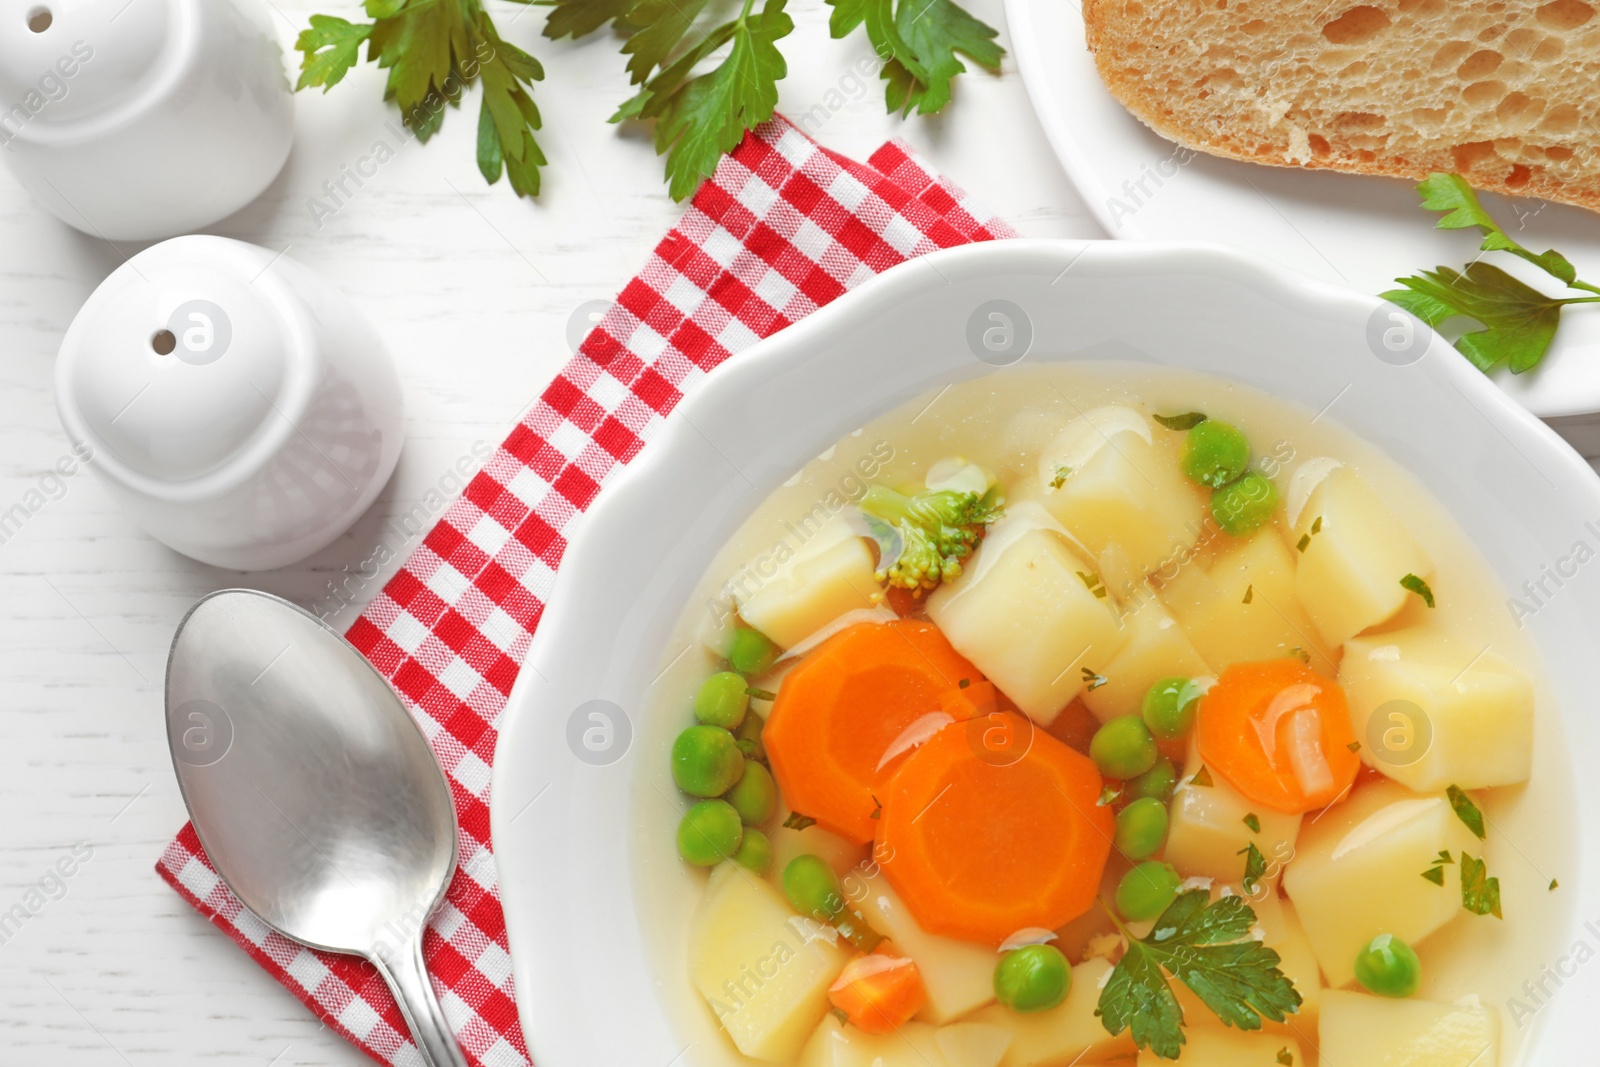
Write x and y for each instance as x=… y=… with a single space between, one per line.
x=473 y=289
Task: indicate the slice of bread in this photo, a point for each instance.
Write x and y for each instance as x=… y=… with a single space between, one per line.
x=1504 y=92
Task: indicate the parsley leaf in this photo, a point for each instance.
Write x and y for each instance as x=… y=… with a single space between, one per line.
x=1480 y=894
x=1434 y=875
x=1451 y=194
x=1519 y=322
x=699 y=117
x=796 y=821
x=1187 y=421
x=1207 y=947
x=331 y=46
x=1255 y=866
x=1466 y=810
x=1254 y=822
x=1412 y=583
x=920 y=42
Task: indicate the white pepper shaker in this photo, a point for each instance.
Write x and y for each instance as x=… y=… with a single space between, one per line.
x=239 y=407
x=142 y=119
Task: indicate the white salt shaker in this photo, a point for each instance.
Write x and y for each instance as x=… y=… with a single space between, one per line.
x=141 y=119
x=239 y=407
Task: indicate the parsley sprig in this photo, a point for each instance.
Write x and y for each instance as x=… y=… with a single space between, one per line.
x=1518 y=321
x=1206 y=946
x=434 y=49
x=703 y=82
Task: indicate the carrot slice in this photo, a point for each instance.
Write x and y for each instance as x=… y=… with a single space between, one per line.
x=1279 y=733
x=879 y=993
x=992 y=827
x=848 y=714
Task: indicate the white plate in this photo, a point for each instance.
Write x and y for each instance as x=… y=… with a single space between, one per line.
x=1346 y=229
x=577 y=864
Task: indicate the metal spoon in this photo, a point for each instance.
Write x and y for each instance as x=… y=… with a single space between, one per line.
x=313 y=791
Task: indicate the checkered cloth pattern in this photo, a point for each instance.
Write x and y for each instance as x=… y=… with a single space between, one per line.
x=782 y=228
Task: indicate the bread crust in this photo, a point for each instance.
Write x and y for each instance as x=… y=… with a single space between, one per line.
x=1212 y=98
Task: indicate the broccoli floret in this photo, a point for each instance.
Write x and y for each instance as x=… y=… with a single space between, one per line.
x=935 y=530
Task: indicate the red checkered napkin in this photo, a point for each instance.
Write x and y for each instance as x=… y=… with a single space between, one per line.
x=782 y=228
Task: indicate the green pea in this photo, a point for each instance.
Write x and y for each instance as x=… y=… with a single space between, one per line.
x=1215 y=453
x=1388 y=967
x=1147 y=890
x=706 y=761
x=1245 y=505
x=755 y=852
x=1034 y=978
x=1157 y=782
x=813 y=888
x=1168 y=708
x=710 y=833
x=751 y=651
x=1142 y=828
x=755 y=795
x=1123 y=748
x=722 y=700
x=749 y=737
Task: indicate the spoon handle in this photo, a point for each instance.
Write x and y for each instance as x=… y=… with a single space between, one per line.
x=408 y=980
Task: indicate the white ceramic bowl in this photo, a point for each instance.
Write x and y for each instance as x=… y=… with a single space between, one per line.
x=568 y=847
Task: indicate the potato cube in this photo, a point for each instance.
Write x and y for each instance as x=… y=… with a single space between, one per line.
x=973 y=1044
x=1155 y=648
x=958 y=975
x=1243 y=607
x=1357 y=873
x=1207 y=830
x=1355 y=554
x=1063 y=1034
x=1380 y=1032
x=1117 y=487
x=837 y=1045
x=789 y=597
x=1432 y=711
x=1213 y=1046
x=763 y=970
x=1028 y=620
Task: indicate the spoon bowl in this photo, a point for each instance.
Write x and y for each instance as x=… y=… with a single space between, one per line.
x=313 y=791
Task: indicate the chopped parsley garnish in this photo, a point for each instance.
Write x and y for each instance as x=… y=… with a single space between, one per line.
x=1444 y=856
x=1286 y=1057
x=1416 y=585
x=1202 y=778
x=1553 y=885
x=1435 y=875
x=1095 y=681
x=1108 y=796
x=1518 y=321
x=1062 y=474
x=1466 y=810
x=1092 y=583
x=1480 y=894
x=1316 y=525
x=1187 y=421
x=1255 y=866
x=796 y=821
x=1253 y=822
x=1354 y=746
x=1206 y=946
x=1249 y=594
x=1303 y=543
x=877 y=808
x=760 y=694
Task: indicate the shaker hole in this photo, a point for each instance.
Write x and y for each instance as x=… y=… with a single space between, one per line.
x=164 y=342
x=40 y=19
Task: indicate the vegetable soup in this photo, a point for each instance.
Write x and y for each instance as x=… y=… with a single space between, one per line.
x=1103 y=714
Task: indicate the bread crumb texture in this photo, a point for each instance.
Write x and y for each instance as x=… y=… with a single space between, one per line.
x=1505 y=93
